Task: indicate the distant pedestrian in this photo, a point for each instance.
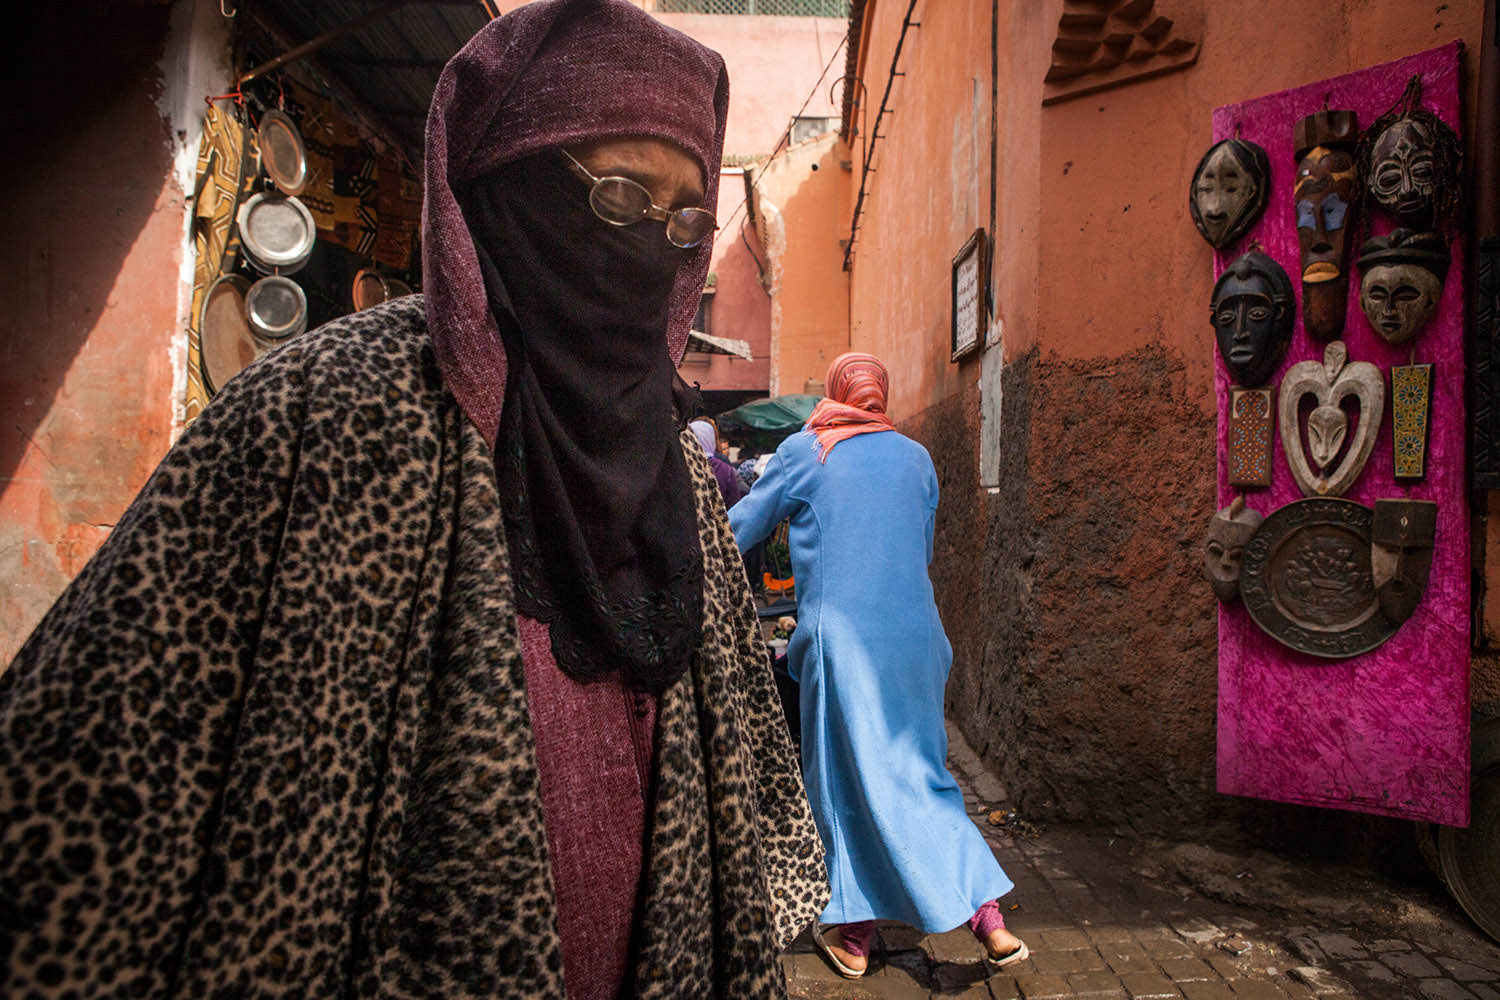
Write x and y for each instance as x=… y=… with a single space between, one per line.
x=872 y=661
x=749 y=471
x=730 y=486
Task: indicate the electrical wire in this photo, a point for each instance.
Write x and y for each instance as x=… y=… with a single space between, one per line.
x=784 y=142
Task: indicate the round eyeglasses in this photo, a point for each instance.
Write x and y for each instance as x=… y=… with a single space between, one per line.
x=620 y=201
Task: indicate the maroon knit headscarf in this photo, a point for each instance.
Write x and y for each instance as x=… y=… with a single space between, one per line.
x=554 y=73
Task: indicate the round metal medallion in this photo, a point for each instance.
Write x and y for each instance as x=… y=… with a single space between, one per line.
x=369 y=289
x=225 y=344
x=1305 y=579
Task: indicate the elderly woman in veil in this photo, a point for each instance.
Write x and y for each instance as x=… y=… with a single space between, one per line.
x=424 y=666
x=871 y=661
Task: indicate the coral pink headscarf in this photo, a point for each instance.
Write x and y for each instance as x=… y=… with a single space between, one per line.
x=855 y=404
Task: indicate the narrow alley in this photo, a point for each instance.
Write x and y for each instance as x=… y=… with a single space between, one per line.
x=401 y=400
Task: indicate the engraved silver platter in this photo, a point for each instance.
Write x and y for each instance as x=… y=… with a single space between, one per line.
x=1305 y=579
x=225 y=343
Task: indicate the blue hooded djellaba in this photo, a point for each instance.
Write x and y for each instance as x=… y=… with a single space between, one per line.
x=871 y=662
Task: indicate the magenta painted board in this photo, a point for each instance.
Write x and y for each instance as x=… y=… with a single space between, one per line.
x=1387 y=731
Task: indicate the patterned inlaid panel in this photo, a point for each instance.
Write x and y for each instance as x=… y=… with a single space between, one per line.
x=1411 y=403
x=1250 y=437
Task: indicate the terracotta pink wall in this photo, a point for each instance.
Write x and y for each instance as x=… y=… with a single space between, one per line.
x=94 y=237
x=1116 y=165
x=803 y=195
x=929 y=191
x=773 y=64
x=741 y=306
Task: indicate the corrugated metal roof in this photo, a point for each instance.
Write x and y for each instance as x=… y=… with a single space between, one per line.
x=391 y=64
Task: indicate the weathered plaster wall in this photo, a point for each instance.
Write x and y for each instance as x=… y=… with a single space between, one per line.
x=1121 y=673
x=741 y=307
x=802 y=194
x=90 y=329
x=1084 y=639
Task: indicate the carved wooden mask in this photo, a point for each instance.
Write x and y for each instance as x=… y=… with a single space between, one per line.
x=1403 y=172
x=1412 y=162
x=1229 y=190
x=1323 y=197
x=1318 y=468
x=1228 y=532
x=1252 y=314
x=1402 y=281
x=1401 y=542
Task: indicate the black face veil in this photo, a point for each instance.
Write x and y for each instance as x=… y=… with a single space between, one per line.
x=595 y=490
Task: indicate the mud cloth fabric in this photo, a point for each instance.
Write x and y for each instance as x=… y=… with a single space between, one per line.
x=274 y=738
x=871 y=662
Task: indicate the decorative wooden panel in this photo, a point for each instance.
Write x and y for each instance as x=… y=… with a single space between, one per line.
x=1485 y=359
x=1105 y=43
x=1251 y=419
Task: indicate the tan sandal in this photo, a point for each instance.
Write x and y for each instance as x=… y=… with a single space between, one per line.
x=838 y=966
x=1017 y=954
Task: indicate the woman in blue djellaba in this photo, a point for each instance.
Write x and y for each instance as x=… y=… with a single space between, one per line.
x=871 y=661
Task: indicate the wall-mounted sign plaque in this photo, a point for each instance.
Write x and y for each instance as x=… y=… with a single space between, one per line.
x=970 y=312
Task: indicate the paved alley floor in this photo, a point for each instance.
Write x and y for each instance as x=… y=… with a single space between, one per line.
x=1110 y=918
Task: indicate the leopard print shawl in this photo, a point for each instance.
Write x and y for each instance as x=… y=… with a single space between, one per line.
x=274 y=742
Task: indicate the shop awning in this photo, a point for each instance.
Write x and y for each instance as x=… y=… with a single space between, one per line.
x=708 y=344
x=779 y=415
x=381 y=60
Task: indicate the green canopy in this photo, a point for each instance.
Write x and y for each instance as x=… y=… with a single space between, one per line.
x=764 y=423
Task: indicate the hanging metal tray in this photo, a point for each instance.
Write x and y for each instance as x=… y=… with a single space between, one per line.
x=277 y=232
x=282 y=153
x=276 y=307
x=225 y=344
x=1305 y=579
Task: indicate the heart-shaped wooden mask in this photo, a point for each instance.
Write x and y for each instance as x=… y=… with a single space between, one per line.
x=1316 y=467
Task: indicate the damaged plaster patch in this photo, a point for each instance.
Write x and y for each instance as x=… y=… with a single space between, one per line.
x=195 y=65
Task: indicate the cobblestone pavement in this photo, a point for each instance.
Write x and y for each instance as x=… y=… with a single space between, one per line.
x=1109 y=917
